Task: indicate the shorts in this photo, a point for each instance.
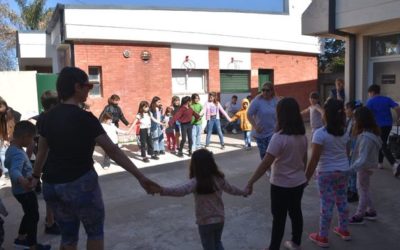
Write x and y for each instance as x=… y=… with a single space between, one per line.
x=75 y=202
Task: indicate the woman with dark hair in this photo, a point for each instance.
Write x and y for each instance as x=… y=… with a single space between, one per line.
x=262 y=116
x=156 y=130
x=8 y=119
x=287 y=157
x=68 y=135
x=329 y=156
x=115 y=110
x=212 y=110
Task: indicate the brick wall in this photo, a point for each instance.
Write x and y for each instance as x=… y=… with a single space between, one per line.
x=130 y=78
x=294 y=75
x=213 y=72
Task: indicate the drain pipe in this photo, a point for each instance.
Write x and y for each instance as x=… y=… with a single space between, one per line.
x=351 y=95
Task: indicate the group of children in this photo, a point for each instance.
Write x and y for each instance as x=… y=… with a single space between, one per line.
x=181 y=120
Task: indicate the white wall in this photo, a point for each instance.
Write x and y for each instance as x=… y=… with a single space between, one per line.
x=227 y=29
x=18 y=88
x=32 y=45
x=196 y=54
x=239 y=59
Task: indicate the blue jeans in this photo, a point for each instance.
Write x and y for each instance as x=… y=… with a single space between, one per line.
x=3 y=150
x=196 y=137
x=210 y=126
x=352 y=185
x=210 y=236
x=247 y=138
x=262 y=144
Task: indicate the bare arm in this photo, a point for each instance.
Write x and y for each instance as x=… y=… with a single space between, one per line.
x=305 y=111
x=315 y=155
x=133 y=125
x=41 y=157
x=397 y=109
x=121 y=159
x=261 y=169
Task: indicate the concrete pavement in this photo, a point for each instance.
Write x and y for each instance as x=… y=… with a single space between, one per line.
x=135 y=220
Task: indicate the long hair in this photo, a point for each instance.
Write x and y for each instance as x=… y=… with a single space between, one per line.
x=185 y=100
x=174 y=99
x=289 y=120
x=168 y=111
x=142 y=105
x=213 y=94
x=204 y=168
x=7 y=121
x=154 y=103
x=335 y=117
x=365 y=121
x=194 y=96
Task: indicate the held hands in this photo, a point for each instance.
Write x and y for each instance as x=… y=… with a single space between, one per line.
x=150 y=186
x=248 y=190
x=27 y=183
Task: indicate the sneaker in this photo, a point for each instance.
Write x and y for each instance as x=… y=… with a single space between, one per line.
x=106 y=167
x=179 y=154
x=345 y=235
x=162 y=152
x=155 y=157
x=173 y=151
x=380 y=165
x=291 y=245
x=42 y=247
x=356 y=220
x=53 y=229
x=370 y=215
x=145 y=159
x=222 y=146
x=21 y=244
x=234 y=131
x=320 y=241
x=190 y=153
x=396 y=169
x=352 y=197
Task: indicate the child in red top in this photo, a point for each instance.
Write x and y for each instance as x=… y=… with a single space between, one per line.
x=184 y=116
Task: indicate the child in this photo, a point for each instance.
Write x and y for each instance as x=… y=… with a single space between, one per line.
x=315 y=112
x=287 y=156
x=364 y=158
x=3 y=211
x=170 y=130
x=176 y=104
x=329 y=153
x=156 y=129
x=245 y=124
x=206 y=183
x=144 y=118
x=115 y=111
x=197 y=127
x=349 y=109
x=112 y=132
x=184 y=116
x=20 y=170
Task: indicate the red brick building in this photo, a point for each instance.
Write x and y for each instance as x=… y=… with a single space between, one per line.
x=162 y=56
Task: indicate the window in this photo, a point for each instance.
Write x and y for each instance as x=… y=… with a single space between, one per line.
x=187 y=82
x=95 y=79
x=385 y=45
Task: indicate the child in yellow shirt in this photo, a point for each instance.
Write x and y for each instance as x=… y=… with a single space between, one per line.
x=245 y=125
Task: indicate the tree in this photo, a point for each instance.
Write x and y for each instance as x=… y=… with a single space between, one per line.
x=332 y=59
x=33 y=16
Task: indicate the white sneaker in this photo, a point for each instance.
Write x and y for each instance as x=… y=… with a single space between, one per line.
x=380 y=165
x=234 y=131
x=396 y=169
x=291 y=245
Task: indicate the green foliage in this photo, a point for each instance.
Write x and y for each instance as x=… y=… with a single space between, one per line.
x=332 y=59
x=34 y=15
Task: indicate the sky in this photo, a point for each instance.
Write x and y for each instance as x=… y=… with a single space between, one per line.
x=239 y=5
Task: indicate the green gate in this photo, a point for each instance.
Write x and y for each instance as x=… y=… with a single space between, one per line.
x=235 y=81
x=264 y=75
x=44 y=82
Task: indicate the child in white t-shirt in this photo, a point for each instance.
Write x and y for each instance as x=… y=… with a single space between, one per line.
x=316 y=112
x=112 y=132
x=287 y=157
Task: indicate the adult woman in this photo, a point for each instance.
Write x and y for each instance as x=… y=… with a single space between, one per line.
x=8 y=119
x=68 y=135
x=262 y=116
x=212 y=108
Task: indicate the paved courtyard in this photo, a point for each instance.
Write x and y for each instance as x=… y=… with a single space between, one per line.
x=135 y=220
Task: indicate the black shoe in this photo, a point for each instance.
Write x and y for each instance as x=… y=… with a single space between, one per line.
x=162 y=152
x=222 y=146
x=21 y=244
x=53 y=229
x=145 y=159
x=190 y=153
x=154 y=157
x=179 y=154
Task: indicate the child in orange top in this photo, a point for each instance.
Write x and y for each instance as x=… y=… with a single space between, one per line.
x=245 y=125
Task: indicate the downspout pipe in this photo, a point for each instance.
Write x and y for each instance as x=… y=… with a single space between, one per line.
x=352 y=47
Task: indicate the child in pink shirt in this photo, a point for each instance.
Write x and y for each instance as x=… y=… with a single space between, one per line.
x=207 y=183
x=288 y=151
